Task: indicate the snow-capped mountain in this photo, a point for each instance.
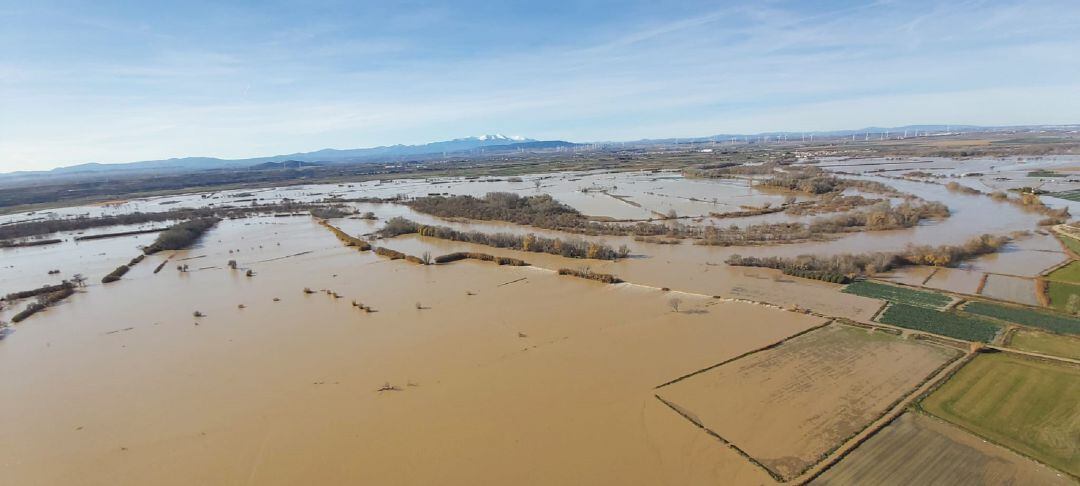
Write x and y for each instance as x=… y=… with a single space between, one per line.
x=498 y=137
x=383 y=153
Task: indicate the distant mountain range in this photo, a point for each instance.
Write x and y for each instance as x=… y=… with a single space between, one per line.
x=390 y=153
x=873 y=132
x=485 y=144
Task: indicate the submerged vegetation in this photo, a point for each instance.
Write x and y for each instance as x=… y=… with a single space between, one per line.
x=537 y=244
x=45 y=300
x=453 y=257
x=871 y=263
x=814 y=180
x=589 y=274
x=181 y=235
x=116 y=274
x=47 y=226
x=543 y=211
x=882 y=216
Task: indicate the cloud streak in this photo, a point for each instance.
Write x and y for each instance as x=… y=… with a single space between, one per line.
x=237 y=81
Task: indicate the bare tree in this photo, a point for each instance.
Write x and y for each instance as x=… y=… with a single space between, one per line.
x=675 y=303
x=79 y=280
x=426 y=257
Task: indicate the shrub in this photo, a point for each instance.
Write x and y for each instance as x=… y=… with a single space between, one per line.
x=391 y=254
x=329 y=212
x=585 y=273
x=116 y=274
x=47 y=289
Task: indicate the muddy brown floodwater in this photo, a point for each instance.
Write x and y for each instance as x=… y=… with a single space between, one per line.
x=547 y=379
x=467 y=373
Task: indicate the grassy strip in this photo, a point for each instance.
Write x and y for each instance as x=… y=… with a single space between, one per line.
x=945 y=323
x=1058 y=295
x=1071 y=243
x=1043 y=320
x=1069 y=273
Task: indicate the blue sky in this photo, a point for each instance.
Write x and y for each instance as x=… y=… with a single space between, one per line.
x=110 y=81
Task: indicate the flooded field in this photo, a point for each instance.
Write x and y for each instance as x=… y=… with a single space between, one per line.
x=391 y=372
x=789 y=406
x=516 y=364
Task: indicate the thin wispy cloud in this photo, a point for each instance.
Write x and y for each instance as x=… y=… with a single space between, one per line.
x=83 y=82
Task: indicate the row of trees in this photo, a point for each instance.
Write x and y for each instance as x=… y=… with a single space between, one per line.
x=575 y=248
x=181 y=235
x=47 y=226
x=814 y=180
x=881 y=216
x=847 y=265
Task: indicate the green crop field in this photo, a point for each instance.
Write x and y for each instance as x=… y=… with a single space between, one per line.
x=1059 y=293
x=900 y=295
x=1070 y=195
x=944 y=323
x=1069 y=273
x=1018 y=402
x=1044 y=320
x=1072 y=243
x=1046 y=343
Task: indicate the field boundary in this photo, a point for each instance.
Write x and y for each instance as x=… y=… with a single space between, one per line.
x=743 y=355
x=917 y=405
x=891 y=413
x=698 y=424
x=845 y=445
x=899 y=408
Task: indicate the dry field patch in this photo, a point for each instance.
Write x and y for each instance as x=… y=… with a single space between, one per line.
x=788 y=407
x=916 y=449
